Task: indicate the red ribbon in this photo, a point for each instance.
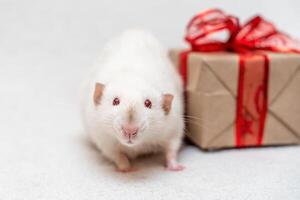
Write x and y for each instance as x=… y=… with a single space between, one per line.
x=203 y=34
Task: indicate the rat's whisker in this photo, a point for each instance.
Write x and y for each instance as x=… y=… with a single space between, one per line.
x=199 y=124
x=200 y=120
x=197 y=118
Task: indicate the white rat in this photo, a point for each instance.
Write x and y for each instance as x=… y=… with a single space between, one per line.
x=132 y=102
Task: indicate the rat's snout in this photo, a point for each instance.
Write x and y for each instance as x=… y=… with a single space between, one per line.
x=129 y=131
x=129 y=126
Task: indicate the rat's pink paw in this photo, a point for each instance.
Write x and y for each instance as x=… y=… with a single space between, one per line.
x=175 y=168
x=127 y=170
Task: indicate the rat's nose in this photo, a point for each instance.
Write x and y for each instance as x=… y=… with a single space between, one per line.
x=129 y=131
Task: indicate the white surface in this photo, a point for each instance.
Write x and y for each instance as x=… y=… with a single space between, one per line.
x=45 y=48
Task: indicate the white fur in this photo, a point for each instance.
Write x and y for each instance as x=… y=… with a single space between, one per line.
x=133 y=67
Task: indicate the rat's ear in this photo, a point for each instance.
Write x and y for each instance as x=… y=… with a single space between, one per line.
x=167 y=102
x=98 y=93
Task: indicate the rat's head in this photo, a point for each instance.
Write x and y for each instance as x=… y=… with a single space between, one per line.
x=133 y=114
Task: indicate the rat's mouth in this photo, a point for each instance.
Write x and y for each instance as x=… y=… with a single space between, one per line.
x=129 y=142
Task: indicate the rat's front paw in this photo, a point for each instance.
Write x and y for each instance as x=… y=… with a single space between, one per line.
x=123 y=165
x=175 y=167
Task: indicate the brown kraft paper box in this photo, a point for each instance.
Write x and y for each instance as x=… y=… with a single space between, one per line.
x=211 y=99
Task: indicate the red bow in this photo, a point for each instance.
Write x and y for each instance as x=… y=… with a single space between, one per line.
x=257 y=34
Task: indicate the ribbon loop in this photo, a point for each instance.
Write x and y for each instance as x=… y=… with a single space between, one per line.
x=256 y=34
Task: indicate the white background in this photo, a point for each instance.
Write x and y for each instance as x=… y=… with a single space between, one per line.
x=45 y=49
x=68 y=26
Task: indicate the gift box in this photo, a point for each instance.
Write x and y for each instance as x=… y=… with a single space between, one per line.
x=211 y=100
x=238 y=94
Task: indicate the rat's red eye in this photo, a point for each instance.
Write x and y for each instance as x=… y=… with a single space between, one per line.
x=148 y=103
x=116 y=101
